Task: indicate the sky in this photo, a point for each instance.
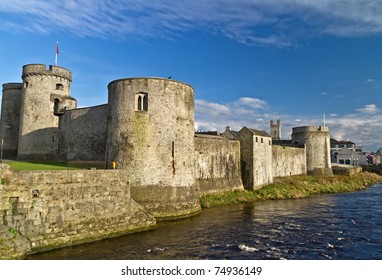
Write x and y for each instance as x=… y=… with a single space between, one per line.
x=304 y=62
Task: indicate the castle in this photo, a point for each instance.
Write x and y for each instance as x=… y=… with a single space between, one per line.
x=147 y=129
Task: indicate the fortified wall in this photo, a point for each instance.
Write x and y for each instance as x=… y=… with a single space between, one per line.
x=217 y=164
x=83 y=134
x=288 y=161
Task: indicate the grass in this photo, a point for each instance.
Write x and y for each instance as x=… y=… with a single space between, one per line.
x=294 y=187
x=23 y=165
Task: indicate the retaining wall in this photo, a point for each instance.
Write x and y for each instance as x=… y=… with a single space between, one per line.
x=61 y=208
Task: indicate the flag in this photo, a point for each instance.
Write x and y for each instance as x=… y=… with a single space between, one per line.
x=55 y=62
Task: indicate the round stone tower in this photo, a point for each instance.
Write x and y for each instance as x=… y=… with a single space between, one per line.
x=317 y=146
x=150 y=134
x=10 y=118
x=45 y=96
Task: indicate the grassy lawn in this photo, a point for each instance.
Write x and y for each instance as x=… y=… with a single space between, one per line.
x=23 y=165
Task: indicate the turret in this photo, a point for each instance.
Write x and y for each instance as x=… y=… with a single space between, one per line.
x=150 y=134
x=45 y=96
x=10 y=119
x=317 y=146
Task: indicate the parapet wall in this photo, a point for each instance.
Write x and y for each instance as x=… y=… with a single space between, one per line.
x=40 y=69
x=288 y=161
x=217 y=164
x=61 y=208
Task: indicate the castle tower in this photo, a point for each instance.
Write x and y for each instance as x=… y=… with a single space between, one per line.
x=275 y=130
x=10 y=118
x=317 y=146
x=45 y=96
x=150 y=134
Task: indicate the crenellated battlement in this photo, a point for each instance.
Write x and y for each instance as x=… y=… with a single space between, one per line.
x=41 y=69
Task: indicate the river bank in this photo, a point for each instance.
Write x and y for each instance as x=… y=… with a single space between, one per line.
x=294 y=187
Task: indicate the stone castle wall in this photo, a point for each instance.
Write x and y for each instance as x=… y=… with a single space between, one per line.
x=83 y=134
x=288 y=161
x=217 y=164
x=61 y=208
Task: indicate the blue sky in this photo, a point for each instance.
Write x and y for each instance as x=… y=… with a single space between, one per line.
x=249 y=61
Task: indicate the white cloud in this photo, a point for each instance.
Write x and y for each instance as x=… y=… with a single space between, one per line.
x=241 y=20
x=250 y=102
x=369 y=109
x=211 y=109
x=324 y=93
x=370 y=81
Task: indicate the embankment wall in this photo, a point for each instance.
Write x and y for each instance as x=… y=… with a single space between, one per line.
x=61 y=208
x=217 y=164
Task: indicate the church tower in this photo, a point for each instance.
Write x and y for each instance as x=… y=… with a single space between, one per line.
x=275 y=129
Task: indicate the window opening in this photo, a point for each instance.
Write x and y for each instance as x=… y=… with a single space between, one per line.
x=59 y=87
x=141 y=100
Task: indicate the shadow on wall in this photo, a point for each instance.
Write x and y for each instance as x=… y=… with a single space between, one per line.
x=83 y=134
x=40 y=145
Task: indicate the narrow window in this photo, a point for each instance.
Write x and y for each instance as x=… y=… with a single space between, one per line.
x=26 y=84
x=139 y=103
x=56 y=106
x=256 y=140
x=262 y=140
x=59 y=87
x=144 y=102
x=173 y=157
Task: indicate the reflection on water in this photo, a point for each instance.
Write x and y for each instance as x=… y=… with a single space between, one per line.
x=342 y=226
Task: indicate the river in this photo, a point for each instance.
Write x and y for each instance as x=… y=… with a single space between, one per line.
x=331 y=226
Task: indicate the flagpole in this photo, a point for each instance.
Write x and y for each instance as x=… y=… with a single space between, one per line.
x=56 y=53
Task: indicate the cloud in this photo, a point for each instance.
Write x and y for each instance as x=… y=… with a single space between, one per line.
x=257 y=22
x=215 y=116
x=324 y=93
x=370 y=81
x=369 y=109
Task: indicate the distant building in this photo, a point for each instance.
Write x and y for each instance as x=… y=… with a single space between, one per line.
x=346 y=152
